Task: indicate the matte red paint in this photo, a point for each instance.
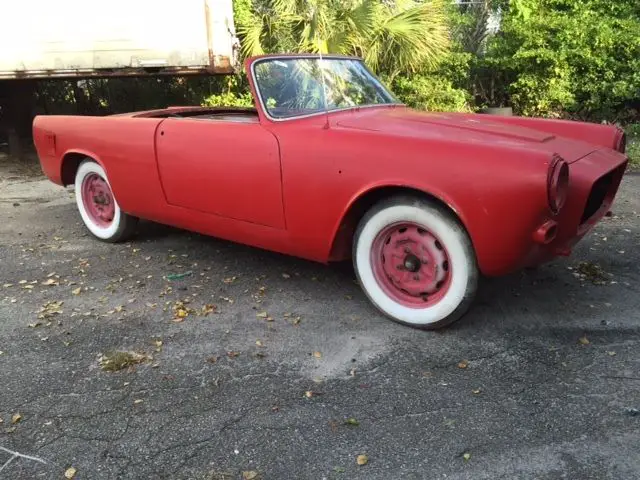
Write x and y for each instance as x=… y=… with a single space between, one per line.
x=288 y=186
x=411 y=265
x=98 y=200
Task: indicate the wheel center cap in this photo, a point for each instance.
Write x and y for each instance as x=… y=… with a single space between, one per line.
x=101 y=200
x=412 y=263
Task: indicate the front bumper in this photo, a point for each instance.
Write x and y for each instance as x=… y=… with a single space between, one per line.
x=593 y=184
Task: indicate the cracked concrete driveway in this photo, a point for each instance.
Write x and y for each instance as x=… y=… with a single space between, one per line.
x=263 y=387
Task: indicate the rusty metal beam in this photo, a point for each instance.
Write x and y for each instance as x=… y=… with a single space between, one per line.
x=222 y=66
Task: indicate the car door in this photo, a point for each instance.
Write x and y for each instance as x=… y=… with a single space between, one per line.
x=226 y=168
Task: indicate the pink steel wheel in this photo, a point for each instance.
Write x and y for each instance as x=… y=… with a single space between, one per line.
x=411 y=265
x=97 y=205
x=415 y=261
x=98 y=200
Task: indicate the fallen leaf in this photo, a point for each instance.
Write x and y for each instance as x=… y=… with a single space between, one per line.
x=259 y=343
x=116 y=361
x=463 y=364
x=22 y=282
x=466 y=457
x=76 y=291
x=317 y=354
x=232 y=354
x=362 y=459
x=476 y=391
x=70 y=473
x=7 y=285
x=584 y=340
x=308 y=394
x=351 y=421
x=286 y=275
x=208 y=308
x=262 y=315
x=50 y=281
x=138 y=401
x=49 y=309
x=15 y=418
x=157 y=343
x=249 y=475
x=611 y=354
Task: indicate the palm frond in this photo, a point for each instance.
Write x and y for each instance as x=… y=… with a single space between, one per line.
x=410 y=38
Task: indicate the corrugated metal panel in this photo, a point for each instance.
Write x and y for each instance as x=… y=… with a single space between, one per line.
x=62 y=37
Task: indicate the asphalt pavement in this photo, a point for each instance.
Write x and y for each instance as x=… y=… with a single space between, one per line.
x=245 y=364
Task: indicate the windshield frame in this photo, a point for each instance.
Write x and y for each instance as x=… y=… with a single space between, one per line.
x=268 y=58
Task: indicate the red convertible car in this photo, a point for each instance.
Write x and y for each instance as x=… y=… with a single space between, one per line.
x=329 y=166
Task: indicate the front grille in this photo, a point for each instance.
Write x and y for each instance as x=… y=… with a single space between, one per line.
x=597 y=196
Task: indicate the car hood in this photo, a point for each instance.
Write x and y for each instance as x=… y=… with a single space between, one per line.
x=466 y=128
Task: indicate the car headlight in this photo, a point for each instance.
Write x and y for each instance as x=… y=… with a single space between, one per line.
x=557 y=183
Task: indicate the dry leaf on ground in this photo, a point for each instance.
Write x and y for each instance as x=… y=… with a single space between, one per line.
x=362 y=459
x=116 y=361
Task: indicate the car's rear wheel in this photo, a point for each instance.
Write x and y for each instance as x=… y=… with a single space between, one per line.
x=98 y=207
x=415 y=262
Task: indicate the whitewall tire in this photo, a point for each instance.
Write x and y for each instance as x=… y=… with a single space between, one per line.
x=415 y=262
x=98 y=207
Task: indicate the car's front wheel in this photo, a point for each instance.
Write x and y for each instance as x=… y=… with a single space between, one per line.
x=98 y=207
x=415 y=262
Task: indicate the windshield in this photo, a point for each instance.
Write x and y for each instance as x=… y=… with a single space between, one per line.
x=291 y=87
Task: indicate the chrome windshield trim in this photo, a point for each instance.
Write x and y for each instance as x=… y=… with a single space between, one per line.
x=323 y=112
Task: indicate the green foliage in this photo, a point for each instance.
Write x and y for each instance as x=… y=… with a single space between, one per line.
x=443 y=88
x=431 y=93
x=393 y=37
x=566 y=58
x=633 y=144
x=237 y=94
x=229 y=99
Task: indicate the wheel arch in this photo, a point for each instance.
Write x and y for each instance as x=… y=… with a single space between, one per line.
x=344 y=231
x=71 y=161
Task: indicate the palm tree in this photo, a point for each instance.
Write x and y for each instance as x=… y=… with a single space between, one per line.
x=393 y=36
